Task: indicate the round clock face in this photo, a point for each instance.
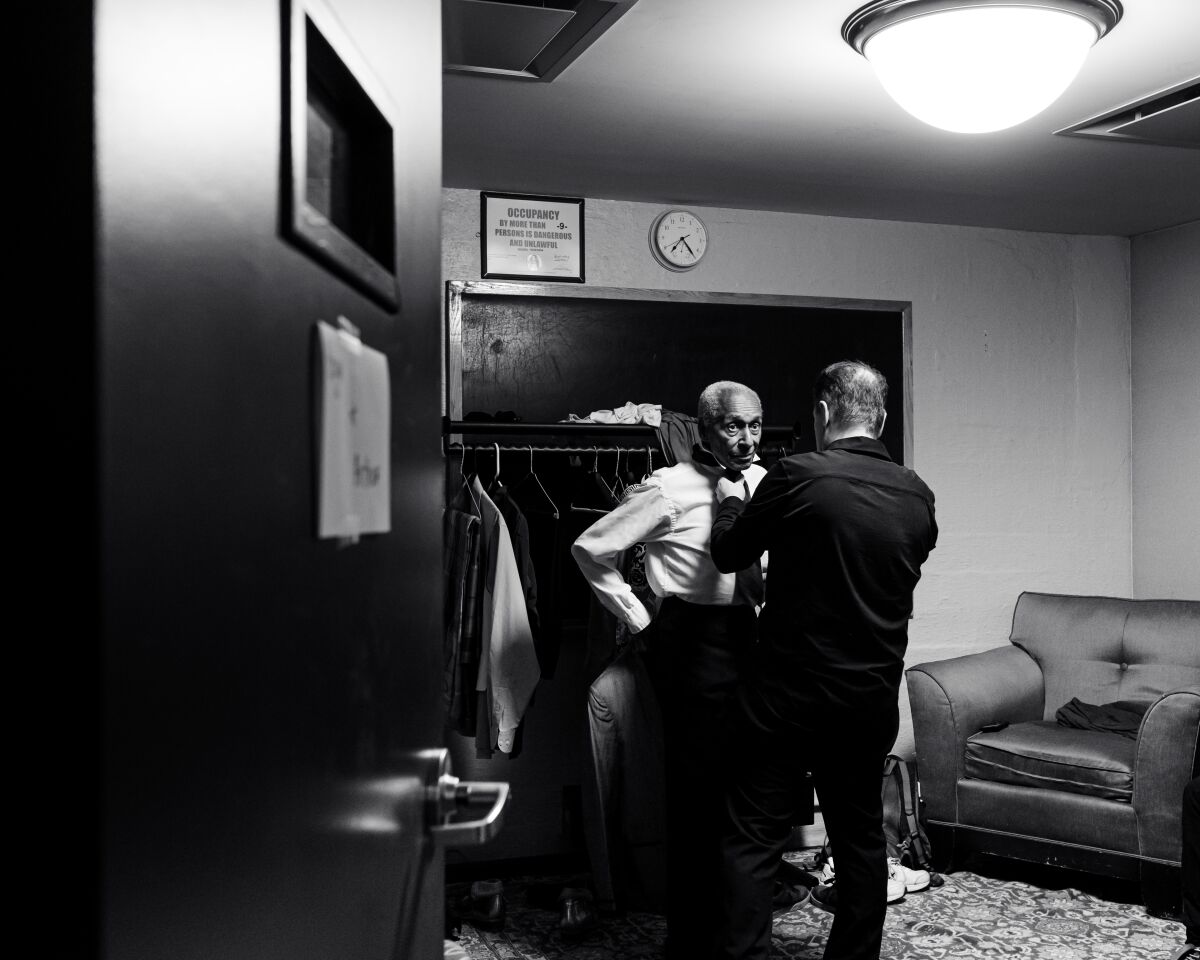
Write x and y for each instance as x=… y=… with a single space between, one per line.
x=678 y=239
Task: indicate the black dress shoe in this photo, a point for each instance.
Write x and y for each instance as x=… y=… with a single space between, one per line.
x=794 y=875
x=578 y=911
x=484 y=906
x=786 y=896
x=824 y=896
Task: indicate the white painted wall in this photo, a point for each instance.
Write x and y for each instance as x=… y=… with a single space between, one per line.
x=1021 y=383
x=1165 y=274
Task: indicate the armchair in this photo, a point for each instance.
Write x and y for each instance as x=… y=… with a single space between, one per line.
x=1034 y=790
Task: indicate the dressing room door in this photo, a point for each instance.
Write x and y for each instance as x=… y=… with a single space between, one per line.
x=271 y=700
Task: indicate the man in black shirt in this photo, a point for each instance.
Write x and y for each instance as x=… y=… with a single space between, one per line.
x=1189 y=875
x=847 y=530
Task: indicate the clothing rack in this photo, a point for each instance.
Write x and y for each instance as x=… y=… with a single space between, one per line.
x=492 y=428
x=455 y=447
x=602 y=436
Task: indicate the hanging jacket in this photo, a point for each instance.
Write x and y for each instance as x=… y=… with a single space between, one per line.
x=464 y=636
x=508 y=668
x=518 y=530
x=678 y=434
x=460 y=567
x=543 y=522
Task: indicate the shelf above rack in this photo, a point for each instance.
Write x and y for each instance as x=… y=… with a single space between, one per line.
x=571 y=431
x=520 y=434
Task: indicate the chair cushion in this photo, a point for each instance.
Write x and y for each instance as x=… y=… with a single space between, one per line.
x=1040 y=753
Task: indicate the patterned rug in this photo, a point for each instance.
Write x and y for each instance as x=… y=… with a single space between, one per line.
x=971 y=916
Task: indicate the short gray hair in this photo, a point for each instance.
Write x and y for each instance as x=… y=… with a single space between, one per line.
x=855 y=392
x=711 y=407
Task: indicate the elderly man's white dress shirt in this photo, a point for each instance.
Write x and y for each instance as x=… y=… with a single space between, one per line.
x=672 y=513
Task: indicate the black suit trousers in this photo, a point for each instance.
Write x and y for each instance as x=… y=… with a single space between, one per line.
x=1190 y=873
x=845 y=752
x=696 y=656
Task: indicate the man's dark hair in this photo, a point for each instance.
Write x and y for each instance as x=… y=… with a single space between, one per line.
x=855 y=392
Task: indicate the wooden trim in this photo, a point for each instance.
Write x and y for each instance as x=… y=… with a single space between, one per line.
x=456 y=290
x=906 y=349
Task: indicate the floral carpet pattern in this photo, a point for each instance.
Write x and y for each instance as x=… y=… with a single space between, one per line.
x=970 y=916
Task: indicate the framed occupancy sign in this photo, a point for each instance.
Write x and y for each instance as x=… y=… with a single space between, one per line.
x=525 y=237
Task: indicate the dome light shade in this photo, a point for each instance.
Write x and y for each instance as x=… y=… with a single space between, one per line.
x=976 y=66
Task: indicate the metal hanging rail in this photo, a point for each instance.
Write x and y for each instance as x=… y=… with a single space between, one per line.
x=455 y=447
x=604 y=437
x=569 y=431
x=494 y=428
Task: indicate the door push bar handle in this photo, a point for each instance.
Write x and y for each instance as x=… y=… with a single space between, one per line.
x=452 y=795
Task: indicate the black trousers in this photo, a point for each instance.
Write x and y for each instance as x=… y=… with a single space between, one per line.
x=845 y=753
x=696 y=656
x=1191 y=860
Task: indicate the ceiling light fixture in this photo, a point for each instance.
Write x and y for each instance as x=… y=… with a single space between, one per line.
x=974 y=66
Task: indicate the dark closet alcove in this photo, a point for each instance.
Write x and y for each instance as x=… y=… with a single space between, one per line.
x=545 y=351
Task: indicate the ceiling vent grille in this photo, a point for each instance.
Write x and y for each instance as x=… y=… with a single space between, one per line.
x=522 y=39
x=1170 y=118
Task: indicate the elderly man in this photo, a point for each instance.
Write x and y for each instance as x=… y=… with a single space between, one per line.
x=704 y=631
x=848 y=530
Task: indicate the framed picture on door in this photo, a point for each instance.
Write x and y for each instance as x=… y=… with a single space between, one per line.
x=339 y=191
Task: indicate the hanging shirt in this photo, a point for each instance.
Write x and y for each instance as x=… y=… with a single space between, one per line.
x=518 y=531
x=672 y=513
x=508 y=667
x=542 y=519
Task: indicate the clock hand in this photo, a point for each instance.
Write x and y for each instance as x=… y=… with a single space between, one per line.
x=683 y=240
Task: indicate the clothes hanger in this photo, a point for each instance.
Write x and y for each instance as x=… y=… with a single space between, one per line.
x=462 y=473
x=618 y=485
x=538 y=480
x=600 y=511
x=649 y=464
x=602 y=488
x=496 y=477
x=604 y=485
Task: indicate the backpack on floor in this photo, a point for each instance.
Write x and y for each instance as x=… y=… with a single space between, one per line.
x=904 y=815
x=903 y=822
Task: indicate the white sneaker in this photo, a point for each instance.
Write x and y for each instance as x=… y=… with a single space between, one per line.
x=896 y=887
x=912 y=880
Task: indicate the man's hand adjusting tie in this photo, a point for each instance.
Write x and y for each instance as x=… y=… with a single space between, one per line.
x=732 y=484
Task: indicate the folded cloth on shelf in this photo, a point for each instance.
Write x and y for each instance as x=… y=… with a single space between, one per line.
x=630 y=413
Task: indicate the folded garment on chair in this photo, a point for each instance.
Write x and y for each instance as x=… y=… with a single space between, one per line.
x=1122 y=717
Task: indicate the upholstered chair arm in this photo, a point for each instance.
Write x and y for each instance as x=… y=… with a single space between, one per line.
x=1165 y=761
x=952 y=699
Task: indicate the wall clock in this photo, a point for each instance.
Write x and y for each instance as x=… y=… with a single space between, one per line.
x=678 y=239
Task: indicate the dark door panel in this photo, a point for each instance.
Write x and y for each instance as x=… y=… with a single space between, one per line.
x=267 y=695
